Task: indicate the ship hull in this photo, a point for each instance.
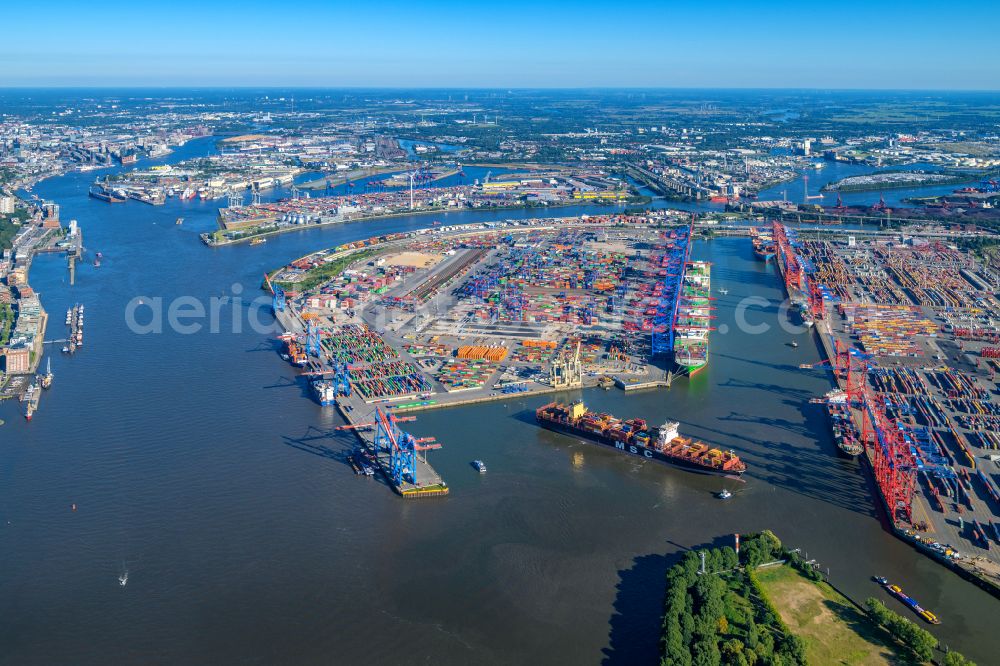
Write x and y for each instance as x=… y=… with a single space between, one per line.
x=104 y=196
x=845 y=453
x=633 y=450
x=692 y=368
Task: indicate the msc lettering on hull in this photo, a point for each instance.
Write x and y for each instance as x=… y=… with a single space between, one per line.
x=633 y=449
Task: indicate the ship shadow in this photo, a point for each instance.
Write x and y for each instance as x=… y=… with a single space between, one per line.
x=783 y=367
x=298 y=382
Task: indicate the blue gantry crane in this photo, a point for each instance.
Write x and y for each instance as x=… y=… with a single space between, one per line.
x=401 y=446
x=312 y=339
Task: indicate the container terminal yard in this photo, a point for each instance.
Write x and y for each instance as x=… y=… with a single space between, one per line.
x=460 y=315
x=454 y=316
x=910 y=330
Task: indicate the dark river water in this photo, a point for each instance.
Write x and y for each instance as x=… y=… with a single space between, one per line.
x=199 y=463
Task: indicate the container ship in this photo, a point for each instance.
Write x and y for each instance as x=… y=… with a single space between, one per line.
x=763 y=245
x=845 y=435
x=663 y=444
x=324 y=391
x=102 y=193
x=692 y=324
x=293 y=352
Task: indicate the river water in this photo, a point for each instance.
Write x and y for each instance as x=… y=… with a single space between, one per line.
x=199 y=463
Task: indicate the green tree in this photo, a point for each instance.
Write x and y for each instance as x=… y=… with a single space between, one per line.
x=730 y=649
x=687 y=627
x=753 y=634
x=706 y=653
x=729 y=558
x=676 y=651
x=919 y=641
x=795 y=648
x=952 y=658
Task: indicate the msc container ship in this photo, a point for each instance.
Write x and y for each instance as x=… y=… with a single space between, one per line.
x=663 y=444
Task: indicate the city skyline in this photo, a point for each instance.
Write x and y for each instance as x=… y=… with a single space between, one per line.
x=580 y=45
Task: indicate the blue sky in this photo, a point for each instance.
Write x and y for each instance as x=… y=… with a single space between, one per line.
x=504 y=43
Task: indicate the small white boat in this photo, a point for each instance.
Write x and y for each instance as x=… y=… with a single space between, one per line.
x=480 y=466
x=123 y=579
x=725 y=494
x=723 y=291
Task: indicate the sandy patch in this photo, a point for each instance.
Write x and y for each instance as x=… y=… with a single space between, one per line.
x=414 y=259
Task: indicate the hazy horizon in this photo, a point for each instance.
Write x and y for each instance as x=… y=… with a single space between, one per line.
x=558 y=45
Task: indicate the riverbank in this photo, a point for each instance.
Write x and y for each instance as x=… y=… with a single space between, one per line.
x=211 y=239
x=762 y=600
x=23 y=346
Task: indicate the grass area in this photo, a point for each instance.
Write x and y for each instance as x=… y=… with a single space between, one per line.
x=834 y=630
x=326 y=271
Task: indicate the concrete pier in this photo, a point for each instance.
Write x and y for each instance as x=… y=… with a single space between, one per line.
x=428 y=482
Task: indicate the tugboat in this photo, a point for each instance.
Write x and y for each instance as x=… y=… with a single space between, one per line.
x=480 y=466
x=48 y=376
